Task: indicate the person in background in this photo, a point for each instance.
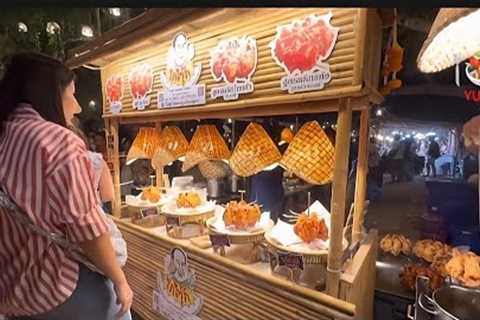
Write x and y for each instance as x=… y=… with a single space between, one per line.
x=266 y=187
x=100 y=144
x=45 y=169
x=408 y=165
x=396 y=158
x=374 y=173
x=103 y=176
x=422 y=155
x=432 y=154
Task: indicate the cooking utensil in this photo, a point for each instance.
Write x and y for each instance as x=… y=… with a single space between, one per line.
x=452 y=302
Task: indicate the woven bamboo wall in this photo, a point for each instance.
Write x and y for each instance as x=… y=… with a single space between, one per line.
x=229 y=294
x=260 y=24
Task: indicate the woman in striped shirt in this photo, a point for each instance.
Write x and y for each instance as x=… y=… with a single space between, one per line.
x=45 y=169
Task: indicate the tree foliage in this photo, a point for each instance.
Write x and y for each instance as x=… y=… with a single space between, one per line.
x=39 y=40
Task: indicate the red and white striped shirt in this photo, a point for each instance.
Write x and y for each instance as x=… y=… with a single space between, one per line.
x=45 y=169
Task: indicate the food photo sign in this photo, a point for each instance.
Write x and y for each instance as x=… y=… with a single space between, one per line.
x=175 y=297
x=181 y=76
x=300 y=48
x=141 y=81
x=233 y=61
x=114 y=91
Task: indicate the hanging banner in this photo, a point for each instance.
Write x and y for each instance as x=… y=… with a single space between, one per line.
x=114 y=90
x=175 y=297
x=141 y=81
x=300 y=48
x=181 y=76
x=233 y=61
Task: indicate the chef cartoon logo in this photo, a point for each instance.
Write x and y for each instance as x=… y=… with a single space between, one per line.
x=114 y=90
x=181 y=76
x=180 y=70
x=300 y=48
x=177 y=285
x=141 y=81
x=233 y=61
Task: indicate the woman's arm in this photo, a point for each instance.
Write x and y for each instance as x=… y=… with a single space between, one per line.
x=72 y=198
x=106 y=184
x=100 y=252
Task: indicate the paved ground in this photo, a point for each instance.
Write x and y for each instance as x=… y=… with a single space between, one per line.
x=399 y=209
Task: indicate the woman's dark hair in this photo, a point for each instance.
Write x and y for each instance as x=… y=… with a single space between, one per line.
x=35 y=79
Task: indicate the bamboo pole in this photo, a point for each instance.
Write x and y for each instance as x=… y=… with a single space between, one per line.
x=117 y=201
x=361 y=178
x=159 y=171
x=339 y=191
x=361 y=37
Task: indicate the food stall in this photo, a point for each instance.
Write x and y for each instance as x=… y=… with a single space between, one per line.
x=194 y=64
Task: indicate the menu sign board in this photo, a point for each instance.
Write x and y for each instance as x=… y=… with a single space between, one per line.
x=300 y=48
x=114 y=90
x=141 y=81
x=181 y=76
x=233 y=61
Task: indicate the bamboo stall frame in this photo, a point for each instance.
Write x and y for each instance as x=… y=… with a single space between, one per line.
x=353 y=88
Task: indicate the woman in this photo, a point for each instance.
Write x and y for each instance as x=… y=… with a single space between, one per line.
x=45 y=169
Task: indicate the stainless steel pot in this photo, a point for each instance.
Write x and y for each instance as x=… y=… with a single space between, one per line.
x=452 y=302
x=213 y=188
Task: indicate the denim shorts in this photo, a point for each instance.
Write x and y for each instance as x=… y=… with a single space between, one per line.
x=93 y=299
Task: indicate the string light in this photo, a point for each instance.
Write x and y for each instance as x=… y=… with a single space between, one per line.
x=87 y=31
x=22 y=27
x=53 y=27
x=115 y=12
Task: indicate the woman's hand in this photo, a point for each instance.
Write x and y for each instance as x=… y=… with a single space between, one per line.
x=124 y=297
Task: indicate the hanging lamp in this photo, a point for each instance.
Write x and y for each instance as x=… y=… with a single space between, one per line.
x=454 y=37
x=207 y=144
x=144 y=145
x=173 y=145
x=254 y=152
x=310 y=155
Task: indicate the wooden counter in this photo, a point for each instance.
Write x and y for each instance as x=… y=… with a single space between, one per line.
x=231 y=290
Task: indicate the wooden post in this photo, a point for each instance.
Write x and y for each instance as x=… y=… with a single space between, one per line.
x=117 y=201
x=159 y=171
x=339 y=192
x=361 y=178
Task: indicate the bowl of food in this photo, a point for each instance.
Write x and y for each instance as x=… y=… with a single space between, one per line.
x=472 y=69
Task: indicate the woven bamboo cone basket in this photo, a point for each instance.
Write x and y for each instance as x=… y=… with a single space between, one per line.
x=145 y=144
x=207 y=144
x=172 y=146
x=310 y=155
x=213 y=169
x=254 y=152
